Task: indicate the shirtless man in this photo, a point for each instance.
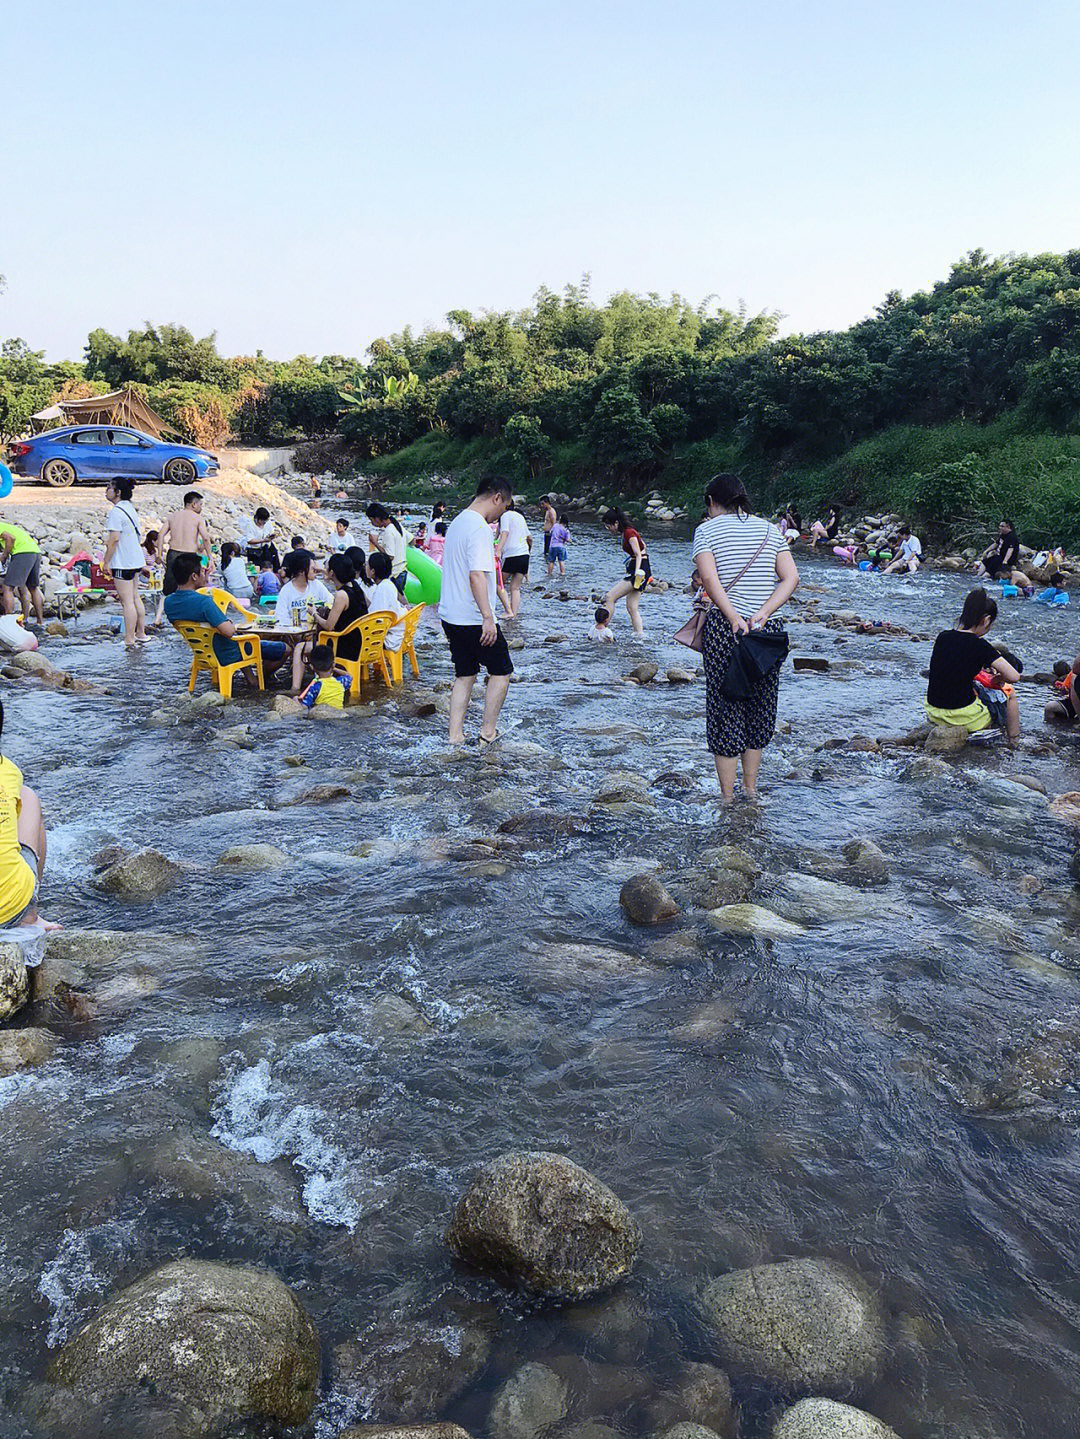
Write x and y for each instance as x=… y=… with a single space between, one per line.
x=184 y=533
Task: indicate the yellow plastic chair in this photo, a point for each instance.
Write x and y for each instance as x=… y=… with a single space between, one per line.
x=201 y=639
x=223 y=600
x=396 y=658
x=372 y=630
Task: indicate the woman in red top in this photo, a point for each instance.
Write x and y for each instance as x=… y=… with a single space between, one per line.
x=638 y=570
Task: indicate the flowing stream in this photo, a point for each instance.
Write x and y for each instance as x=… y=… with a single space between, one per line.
x=299 y=1068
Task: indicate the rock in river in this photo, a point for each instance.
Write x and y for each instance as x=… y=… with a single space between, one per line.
x=14 y=982
x=753 y=919
x=409 y=1371
x=542 y=1222
x=530 y=1403
x=825 y=1419
x=254 y=856
x=405 y=1431
x=140 y=876
x=23 y=1048
x=945 y=739
x=805 y=1326
x=220 y=1341
x=646 y=901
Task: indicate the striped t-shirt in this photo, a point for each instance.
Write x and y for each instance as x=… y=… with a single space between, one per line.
x=733 y=541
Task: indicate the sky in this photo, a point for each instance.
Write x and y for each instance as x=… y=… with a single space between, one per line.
x=304 y=177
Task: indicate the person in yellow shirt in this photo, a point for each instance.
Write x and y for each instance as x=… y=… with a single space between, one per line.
x=20 y=555
x=327 y=688
x=22 y=846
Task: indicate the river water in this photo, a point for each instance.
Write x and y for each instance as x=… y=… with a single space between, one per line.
x=248 y=1092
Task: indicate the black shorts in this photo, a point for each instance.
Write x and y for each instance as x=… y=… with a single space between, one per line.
x=646 y=568
x=547 y=542
x=469 y=655
x=516 y=565
x=126 y=574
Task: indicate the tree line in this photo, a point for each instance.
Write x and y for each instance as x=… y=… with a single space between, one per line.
x=620 y=389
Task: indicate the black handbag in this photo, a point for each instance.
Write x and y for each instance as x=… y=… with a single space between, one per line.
x=756 y=655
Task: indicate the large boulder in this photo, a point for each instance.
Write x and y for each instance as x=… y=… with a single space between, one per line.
x=805 y=1326
x=221 y=1342
x=825 y=1419
x=140 y=876
x=532 y=1401
x=543 y=1223
x=14 y=981
x=646 y=901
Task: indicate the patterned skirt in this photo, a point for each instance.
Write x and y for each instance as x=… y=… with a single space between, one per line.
x=734 y=726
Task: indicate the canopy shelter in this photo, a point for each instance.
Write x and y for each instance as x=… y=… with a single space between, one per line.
x=122 y=407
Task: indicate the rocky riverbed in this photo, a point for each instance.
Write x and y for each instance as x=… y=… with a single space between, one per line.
x=374 y=1084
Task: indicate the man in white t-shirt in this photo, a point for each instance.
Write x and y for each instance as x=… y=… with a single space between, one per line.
x=514 y=546
x=467 y=610
x=909 y=556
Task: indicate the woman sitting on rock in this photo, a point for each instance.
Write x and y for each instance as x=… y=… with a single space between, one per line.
x=748 y=573
x=966 y=672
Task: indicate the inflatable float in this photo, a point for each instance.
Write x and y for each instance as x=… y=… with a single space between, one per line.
x=7 y=481
x=424 y=585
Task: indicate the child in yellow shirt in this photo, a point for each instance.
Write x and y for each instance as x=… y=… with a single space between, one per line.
x=22 y=846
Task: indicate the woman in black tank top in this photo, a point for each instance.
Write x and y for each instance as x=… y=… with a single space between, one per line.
x=350 y=604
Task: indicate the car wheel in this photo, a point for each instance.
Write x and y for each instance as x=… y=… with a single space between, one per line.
x=180 y=472
x=59 y=473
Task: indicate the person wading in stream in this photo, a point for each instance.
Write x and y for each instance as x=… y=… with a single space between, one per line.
x=747 y=571
x=467 y=610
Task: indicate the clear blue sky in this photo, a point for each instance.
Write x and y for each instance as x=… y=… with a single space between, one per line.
x=306 y=177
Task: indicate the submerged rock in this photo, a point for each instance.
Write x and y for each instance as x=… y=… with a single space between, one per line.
x=543 y=824
x=866 y=865
x=541 y=1222
x=530 y=1403
x=140 y=876
x=320 y=794
x=755 y=920
x=223 y=1342
x=825 y=1419
x=23 y=1048
x=405 y=1431
x=406 y=1370
x=646 y=901
x=804 y=1326
x=14 y=980
x=254 y=856
x=700 y=1398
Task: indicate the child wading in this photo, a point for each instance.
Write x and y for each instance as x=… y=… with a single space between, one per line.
x=966 y=672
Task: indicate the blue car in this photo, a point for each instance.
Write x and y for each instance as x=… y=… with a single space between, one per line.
x=100 y=452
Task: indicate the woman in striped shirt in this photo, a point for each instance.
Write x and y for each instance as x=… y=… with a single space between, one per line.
x=747 y=571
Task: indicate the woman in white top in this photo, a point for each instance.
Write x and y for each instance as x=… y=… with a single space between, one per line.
x=747 y=572
x=124 y=558
x=386 y=596
x=296 y=602
x=514 y=548
x=389 y=537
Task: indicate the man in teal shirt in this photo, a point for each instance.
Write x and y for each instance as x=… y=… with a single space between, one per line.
x=186 y=603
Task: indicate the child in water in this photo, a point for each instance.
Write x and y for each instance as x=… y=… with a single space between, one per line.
x=327 y=688
x=1055 y=593
x=437 y=542
x=966 y=672
x=602 y=630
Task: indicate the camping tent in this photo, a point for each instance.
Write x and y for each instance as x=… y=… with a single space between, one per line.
x=122 y=407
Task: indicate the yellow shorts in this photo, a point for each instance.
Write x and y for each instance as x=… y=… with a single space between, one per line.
x=972 y=717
